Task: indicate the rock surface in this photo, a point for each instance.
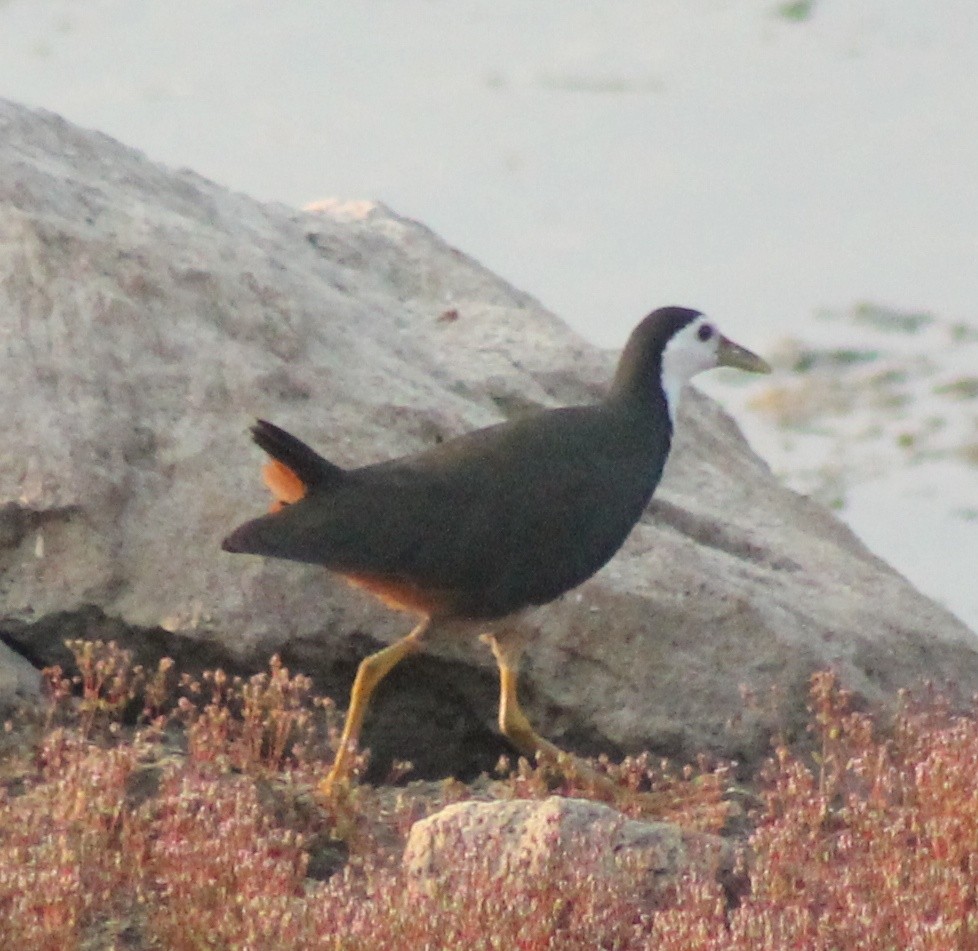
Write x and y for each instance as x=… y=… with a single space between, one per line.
x=551 y=838
x=147 y=315
x=20 y=683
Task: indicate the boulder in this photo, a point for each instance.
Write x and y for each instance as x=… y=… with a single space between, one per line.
x=147 y=315
x=555 y=838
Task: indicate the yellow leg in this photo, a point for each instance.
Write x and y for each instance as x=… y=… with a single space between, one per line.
x=372 y=671
x=517 y=729
x=512 y=720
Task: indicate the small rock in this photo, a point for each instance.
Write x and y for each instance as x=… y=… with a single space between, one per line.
x=20 y=683
x=552 y=838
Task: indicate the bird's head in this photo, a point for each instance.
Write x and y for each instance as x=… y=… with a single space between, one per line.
x=670 y=346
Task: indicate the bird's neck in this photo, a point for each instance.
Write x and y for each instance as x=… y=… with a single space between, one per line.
x=672 y=385
x=652 y=401
x=646 y=418
x=654 y=376
x=649 y=392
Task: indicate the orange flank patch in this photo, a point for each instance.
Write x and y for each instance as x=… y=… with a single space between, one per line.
x=283 y=483
x=401 y=595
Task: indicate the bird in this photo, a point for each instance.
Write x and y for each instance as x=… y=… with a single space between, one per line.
x=474 y=531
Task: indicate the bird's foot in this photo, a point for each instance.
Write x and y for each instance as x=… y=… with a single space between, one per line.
x=337 y=783
x=328 y=786
x=579 y=775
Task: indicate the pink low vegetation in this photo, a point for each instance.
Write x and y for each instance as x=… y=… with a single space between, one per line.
x=194 y=826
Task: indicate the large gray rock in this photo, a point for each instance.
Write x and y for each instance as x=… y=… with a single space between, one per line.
x=147 y=315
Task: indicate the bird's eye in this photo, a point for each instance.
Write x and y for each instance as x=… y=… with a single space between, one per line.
x=705 y=332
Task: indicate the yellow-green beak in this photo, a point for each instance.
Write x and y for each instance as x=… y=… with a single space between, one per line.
x=730 y=354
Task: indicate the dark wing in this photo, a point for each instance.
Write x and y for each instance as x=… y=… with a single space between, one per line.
x=501 y=518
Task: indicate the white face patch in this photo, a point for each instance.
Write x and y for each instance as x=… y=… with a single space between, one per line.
x=690 y=351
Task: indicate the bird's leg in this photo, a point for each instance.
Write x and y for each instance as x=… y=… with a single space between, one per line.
x=372 y=671
x=512 y=720
x=517 y=729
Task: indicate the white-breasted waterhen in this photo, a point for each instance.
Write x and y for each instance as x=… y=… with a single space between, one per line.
x=474 y=530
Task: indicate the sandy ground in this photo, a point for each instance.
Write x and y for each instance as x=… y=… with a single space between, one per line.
x=766 y=167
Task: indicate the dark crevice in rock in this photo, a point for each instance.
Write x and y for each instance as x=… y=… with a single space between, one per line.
x=713 y=534
x=429 y=711
x=42 y=642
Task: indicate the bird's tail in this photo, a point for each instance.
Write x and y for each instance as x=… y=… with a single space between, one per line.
x=294 y=469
